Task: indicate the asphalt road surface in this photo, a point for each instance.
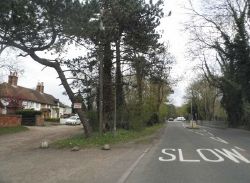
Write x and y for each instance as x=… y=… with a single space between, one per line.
x=204 y=155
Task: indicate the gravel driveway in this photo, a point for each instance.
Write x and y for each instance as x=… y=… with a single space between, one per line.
x=31 y=139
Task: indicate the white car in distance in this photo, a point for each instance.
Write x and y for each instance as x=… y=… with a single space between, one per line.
x=180 y=119
x=73 y=120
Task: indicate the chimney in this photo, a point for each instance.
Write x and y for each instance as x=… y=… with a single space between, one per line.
x=40 y=87
x=13 y=78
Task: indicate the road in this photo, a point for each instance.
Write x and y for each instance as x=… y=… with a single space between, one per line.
x=204 y=155
x=175 y=155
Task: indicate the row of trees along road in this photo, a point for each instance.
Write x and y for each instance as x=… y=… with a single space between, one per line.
x=135 y=64
x=220 y=33
x=205 y=101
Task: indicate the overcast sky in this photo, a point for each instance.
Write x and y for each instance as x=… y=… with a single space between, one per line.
x=173 y=33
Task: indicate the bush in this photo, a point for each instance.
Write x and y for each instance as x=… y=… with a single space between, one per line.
x=163 y=113
x=246 y=116
x=153 y=119
x=28 y=112
x=147 y=117
x=93 y=120
x=52 y=119
x=137 y=123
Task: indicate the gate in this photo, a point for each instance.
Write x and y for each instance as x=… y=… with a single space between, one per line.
x=28 y=121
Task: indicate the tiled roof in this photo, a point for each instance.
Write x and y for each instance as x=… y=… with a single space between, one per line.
x=63 y=105
x=21 y=93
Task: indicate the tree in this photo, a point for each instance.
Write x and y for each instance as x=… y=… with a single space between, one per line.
x=205 y=100
x=129 y=25
x=37 y=26
x=8 y=65
x=129 y=39
x=220 y=34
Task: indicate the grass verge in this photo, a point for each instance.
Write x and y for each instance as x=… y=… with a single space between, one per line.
x=10 y=130
x=122 y=136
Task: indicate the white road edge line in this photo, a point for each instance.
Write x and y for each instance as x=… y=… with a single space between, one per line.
x=210 y=134
x=199 y=133
x=236 y=147
x=125 y=176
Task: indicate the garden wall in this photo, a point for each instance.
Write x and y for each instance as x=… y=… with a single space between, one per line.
x=10 y=120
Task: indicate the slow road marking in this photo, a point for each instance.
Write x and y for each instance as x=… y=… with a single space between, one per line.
x=207 y=155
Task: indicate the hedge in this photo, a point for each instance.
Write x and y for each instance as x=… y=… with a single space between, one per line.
x=28 y=112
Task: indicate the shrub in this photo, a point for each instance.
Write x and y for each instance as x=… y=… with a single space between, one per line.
x=153 y=119
x=246 y=116
x=28 y=112
x=93 y=120
x=52 y=119
x=137 y=123
x=163 y=112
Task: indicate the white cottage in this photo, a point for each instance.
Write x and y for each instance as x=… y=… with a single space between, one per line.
x=16 y=97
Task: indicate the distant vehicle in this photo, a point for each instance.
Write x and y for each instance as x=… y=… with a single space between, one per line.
x=180 y=119
x=171 y=119
x=73 y=120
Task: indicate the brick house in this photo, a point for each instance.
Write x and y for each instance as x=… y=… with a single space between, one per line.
x=18 y=97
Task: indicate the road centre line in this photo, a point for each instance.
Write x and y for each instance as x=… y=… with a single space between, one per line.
x=236 y=147
x=210 y=134
x=219 y=140
x=199 y=133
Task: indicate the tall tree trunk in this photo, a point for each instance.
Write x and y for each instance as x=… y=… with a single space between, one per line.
x=139 y=91
x=108 y=101
x=139 y=82
x=80 y=112
x=118 y=82
x=72 y=97
x=159 y=96
x=232 y=103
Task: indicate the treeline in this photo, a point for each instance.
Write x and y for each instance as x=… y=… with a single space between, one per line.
x=221 y=41
x=203 y=101
x=121 y=79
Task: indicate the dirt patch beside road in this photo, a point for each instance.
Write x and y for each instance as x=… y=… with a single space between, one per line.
x=31 y=139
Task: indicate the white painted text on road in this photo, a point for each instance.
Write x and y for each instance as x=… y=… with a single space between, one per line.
x=208 y=155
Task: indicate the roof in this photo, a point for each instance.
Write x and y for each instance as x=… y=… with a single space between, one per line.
x=63 y=105
x=22 y=93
